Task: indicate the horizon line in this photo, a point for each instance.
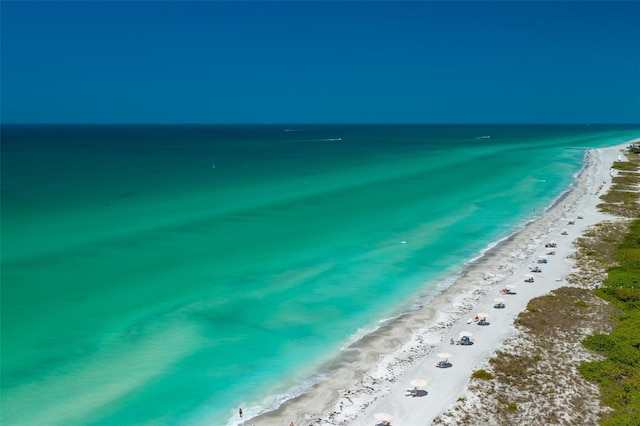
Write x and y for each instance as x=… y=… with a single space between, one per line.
x=323 y=124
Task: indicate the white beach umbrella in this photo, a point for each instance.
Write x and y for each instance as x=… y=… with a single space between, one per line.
x=483 y=315
x=383 y=417
x=465 y=333
x=528 y=276
x=499 y=299
x=418 y=383
x=444 y=355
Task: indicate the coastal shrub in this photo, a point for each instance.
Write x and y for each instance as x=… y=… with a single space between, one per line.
x=622 y=198
x=618 y=276
x=512 y=406
x=619 y=374
x=619 y=197
x=625 y=165
x=621 y=210
x=626 y=180
x=599 y=342
x=482 y=375
x=548 y=317
x=512 y=367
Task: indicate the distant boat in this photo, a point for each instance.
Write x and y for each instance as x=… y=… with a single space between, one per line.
x=484 y=137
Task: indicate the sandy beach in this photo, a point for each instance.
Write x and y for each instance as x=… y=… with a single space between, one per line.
x=382 y=366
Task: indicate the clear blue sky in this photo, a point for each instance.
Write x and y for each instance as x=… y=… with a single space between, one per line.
x=320 y=62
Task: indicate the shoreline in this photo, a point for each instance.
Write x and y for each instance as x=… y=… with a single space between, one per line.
x=378 y=367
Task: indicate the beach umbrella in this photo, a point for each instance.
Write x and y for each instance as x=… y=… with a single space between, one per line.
x=418 y=383
x=528 y=276
x=499 y=299
x=444 y=355
x=465 y=333
x=483 y=315
x=383 y=417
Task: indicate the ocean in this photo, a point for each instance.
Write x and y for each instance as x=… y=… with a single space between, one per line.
x=157 y=275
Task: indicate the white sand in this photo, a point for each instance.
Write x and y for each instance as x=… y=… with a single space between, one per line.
x=408 y=349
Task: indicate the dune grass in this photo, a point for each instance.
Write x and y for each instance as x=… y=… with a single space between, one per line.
x=619 y=374
x=623 y=197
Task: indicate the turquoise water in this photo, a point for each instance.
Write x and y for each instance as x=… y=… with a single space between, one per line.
x=143 y=285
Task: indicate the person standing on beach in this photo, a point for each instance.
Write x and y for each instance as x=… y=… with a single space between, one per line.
x=240 y=411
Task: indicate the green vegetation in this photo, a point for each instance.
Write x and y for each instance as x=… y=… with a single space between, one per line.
x=627 y=181
x=619 y=374
x=622 y=199
x=482 y=375
x=553 y=316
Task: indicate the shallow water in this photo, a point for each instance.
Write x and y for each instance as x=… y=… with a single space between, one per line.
x=161 y=275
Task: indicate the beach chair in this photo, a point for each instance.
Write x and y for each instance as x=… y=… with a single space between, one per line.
x=411 y=392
